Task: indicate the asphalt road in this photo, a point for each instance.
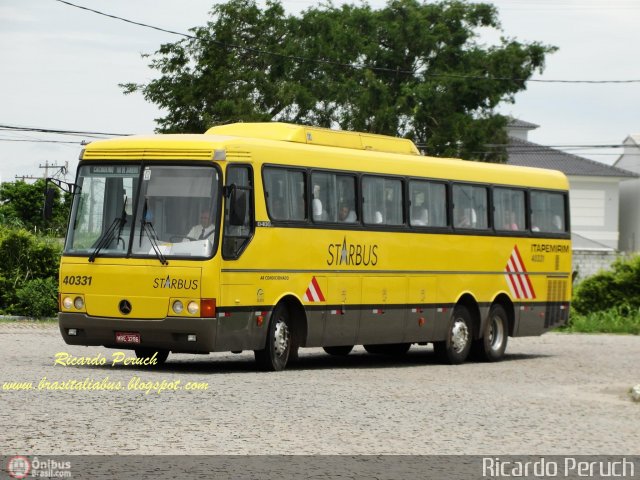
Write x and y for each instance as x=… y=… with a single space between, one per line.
x=556 y=394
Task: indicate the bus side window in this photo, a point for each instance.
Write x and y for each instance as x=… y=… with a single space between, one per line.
x=548 y=212
x=470 y=206
x=334 y=198
x=285 y=194
x=428 y=204
x=508 y=209
x=238 y=234
x=382 y=201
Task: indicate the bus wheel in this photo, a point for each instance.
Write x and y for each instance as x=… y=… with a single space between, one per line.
x=161 y=354
x=275 y=355
x=493 y=343
x=455 y=349
x=388 y=349
x=339 y=351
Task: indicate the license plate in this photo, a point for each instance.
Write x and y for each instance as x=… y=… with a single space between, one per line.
x=127 y=337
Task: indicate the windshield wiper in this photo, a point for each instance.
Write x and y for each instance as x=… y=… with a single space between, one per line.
x=147 y=227
x=107 y=236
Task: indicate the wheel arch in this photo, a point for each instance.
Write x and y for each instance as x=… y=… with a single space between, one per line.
x=468 y=301
x=298 y=318
x=505 y=302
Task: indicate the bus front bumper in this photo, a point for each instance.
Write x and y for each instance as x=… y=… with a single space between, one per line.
x=172 y=333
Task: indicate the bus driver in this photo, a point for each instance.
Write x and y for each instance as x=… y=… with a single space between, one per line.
x=204 y=229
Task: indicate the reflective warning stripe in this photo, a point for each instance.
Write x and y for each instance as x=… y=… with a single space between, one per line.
x=517 y=278
x=313 y=293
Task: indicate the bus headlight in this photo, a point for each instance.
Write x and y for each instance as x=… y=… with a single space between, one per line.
x=67 y=303
x=193 y=308
x=78 y=302
x=177 y=307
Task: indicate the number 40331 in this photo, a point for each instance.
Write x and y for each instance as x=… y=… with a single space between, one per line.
x=77 y=280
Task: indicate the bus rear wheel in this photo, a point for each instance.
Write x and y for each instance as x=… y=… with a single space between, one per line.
x=161 y=354
x=339 y=351
x=457 y=345
x=493 y=343
x=275 y=355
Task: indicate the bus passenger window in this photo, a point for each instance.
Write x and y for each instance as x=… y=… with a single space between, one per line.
x=428 y=204
x=334 y=198
x=508 y=209
x=548 y=212
x=470 y=207
x=285 y=194
x=382 y=201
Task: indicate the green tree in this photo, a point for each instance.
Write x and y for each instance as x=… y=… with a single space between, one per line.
x=410 y=69
x=21 y=205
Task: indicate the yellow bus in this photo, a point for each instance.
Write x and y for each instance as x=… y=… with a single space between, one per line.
x=271 y=236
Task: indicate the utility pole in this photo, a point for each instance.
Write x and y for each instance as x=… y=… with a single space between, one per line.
x=26 y=177
x=61 y=168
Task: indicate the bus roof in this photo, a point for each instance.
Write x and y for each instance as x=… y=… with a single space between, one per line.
x=317 y=136
x=357 y=152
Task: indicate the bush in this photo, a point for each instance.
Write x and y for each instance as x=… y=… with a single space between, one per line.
x=38 y=298
x=618 y=288
x=25 y=258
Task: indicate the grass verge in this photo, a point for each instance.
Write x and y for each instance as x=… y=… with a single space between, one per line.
x=614 y=320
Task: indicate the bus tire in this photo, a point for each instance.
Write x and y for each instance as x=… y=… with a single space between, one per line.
x=388 y=349
x=160 y=353
x=457 y=345
x=491 y=347
x=274 y=357
x=339 y=351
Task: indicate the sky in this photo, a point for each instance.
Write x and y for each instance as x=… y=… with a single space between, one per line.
x=61 y=67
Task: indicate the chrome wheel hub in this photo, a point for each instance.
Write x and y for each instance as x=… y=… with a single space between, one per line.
x=281 y=338
x=459 y=336
x=496 y=333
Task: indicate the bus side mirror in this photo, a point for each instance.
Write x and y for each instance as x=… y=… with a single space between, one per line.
x=237 y=207
x=49 y=197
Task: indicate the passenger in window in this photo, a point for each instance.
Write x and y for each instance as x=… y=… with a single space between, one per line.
x=419 y=216
x=204 y=229
x=557 y=223
x=346 y=214
x=511 y=223
x=316 y=204
x=535 y=223
x=466 y=218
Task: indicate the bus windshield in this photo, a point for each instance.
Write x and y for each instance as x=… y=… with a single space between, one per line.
x=153 y=211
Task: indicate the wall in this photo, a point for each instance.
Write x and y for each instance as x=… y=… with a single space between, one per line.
x=588 y=263
x=594 y=208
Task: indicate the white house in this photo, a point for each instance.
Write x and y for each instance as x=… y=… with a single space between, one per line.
x=630 y=195
x=594 y=196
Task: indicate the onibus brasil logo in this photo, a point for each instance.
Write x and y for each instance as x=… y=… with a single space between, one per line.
x=19 y=466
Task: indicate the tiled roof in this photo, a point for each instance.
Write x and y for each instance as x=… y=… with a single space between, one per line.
x=516 y=123
x=528 y=154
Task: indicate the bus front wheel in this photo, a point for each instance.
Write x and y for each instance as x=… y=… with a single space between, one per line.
x=275 y=355
x=161 y=355
x=457 y=345
x=493 y=343
x=339 y=351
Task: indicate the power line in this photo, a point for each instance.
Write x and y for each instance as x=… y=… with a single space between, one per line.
x=345 y=65
x=38 y=141
x=533 y=148
x=60 y=132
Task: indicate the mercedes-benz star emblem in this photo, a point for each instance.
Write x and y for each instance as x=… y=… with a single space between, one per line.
x=125 y=307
